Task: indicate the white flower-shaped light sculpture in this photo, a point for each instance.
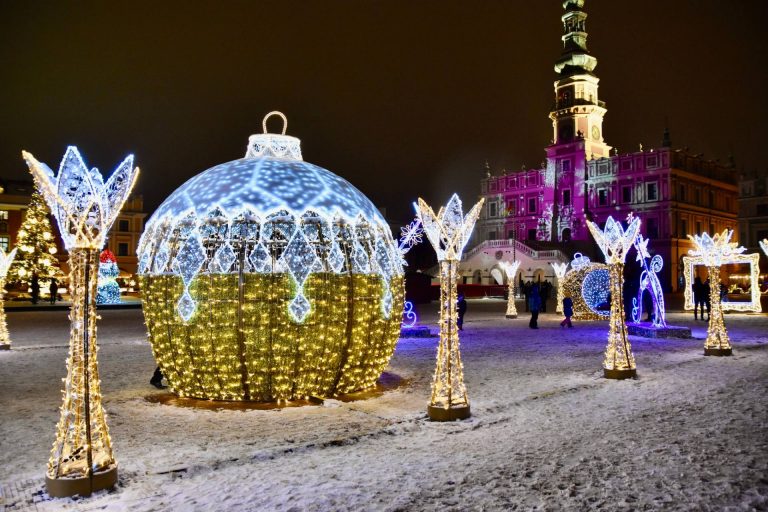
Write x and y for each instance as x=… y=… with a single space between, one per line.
x=614 y=242
x=85 y=208
x=510 y=269
x=713 y=250
x=5 y=263
x=448 y=232
x=560 y=270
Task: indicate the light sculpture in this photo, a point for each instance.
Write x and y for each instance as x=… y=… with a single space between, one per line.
x=107 y=290
x=85 y=208
x=5 y=263
x=713 y=251
x=753 y=260
x=588 y=286
x=764 y=245
x=448 y=232
x=560 y=270
x=409 y=315
x=649 y=280
x=614 y=242
x=269 y=278
x=510 y=269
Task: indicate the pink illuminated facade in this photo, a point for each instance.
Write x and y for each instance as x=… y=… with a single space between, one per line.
x=674 y=193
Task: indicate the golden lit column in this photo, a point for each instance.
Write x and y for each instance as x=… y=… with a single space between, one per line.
x=560 y=269
x=713 y=251
x=448 y=232
x=510 y=269
x=85 y=207
x=5 y=263
x=614 y=242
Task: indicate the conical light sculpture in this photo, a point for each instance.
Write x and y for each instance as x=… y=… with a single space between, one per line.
x=85 y=208
x=614 y=242
x=510 y=269
x=560 y=270
x=5 y=263
x=713 y=250
x=448 y=232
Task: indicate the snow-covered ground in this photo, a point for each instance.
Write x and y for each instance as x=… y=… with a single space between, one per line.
x=547 y=431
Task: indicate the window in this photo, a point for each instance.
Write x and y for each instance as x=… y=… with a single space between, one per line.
x=626 y=165
x=532 y=205
x=492 y=209
x=698 y=228
x=711 y=228
x=123 y=225
x=491 y=235
x=681 y=196
x=511 y=234
x=3 y=215
x=565 y=165
x=652 y=228
x=683 y=228
x=566 y=197
x=698 y=196
x=531 y=234
x=5 y=242
x=652 y=161
x=762 y=209
x=511 y=207
x=122 y=249
x=652 y=191
x=711 y=199
x=626 y=194
x=602 y=197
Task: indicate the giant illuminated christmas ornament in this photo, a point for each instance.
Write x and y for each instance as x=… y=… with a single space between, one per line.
x=108 y=291
x=560 y=270
x=614 y=242
x=588 y=286
x=510 y=269
x=5 y=262
x=714 y=250
x=269 y=278
x=649 y=281
x=85 y=208
x=448 y=232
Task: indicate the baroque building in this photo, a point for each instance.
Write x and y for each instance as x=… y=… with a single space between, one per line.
x=674 y=192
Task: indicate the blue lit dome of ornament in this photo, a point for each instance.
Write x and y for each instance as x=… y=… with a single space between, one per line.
x=273 y=258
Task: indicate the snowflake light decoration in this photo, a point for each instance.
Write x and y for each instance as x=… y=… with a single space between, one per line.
x=270 y=278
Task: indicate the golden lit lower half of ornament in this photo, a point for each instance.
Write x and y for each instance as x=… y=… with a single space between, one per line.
x=242 y=344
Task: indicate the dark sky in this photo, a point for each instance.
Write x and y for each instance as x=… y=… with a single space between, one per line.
x=402 y=98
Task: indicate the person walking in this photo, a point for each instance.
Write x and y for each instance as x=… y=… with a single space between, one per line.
x=53 y=290
x=34 y=284
x=534 y=304
x=461 y=307
x=568 y=312
x=698 y=298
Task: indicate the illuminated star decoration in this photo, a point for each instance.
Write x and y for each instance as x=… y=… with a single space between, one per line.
x=713 y=251
x=614 y=242
x=510 y=270
x=5 y=263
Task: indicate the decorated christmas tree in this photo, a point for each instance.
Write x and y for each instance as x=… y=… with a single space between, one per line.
x=36 y=244
x=108 y=291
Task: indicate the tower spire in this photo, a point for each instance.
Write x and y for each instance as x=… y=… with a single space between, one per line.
x=575 y=59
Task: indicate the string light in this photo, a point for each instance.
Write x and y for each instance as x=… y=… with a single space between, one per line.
x=269 y=278
x=649 y=280
x=448 y=232
x=587 y=284
x=85 y=208
x=714 y=251
x=560 y=270
x=409 y=315
x=510 y=269
x=6 y=260
x=753 y=305
x=614 y=242
x=107 y=290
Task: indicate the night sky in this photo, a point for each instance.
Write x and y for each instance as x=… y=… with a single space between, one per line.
x=401 y=98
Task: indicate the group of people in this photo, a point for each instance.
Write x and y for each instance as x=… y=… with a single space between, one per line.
x=542 y=290
x=700 y=297
x=536 y=300
x=34 y=285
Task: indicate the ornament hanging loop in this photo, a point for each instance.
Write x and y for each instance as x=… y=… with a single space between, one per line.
x=275 y=113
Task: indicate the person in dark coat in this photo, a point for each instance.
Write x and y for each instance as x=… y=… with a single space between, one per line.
x=461 y=307
x=53 y=290
x=157 y=379
x=35 y=285
x=527 y=293
x=698 y=298
x=544 y=294
x=534 y=304
x=707 y=302
x=567 y=312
